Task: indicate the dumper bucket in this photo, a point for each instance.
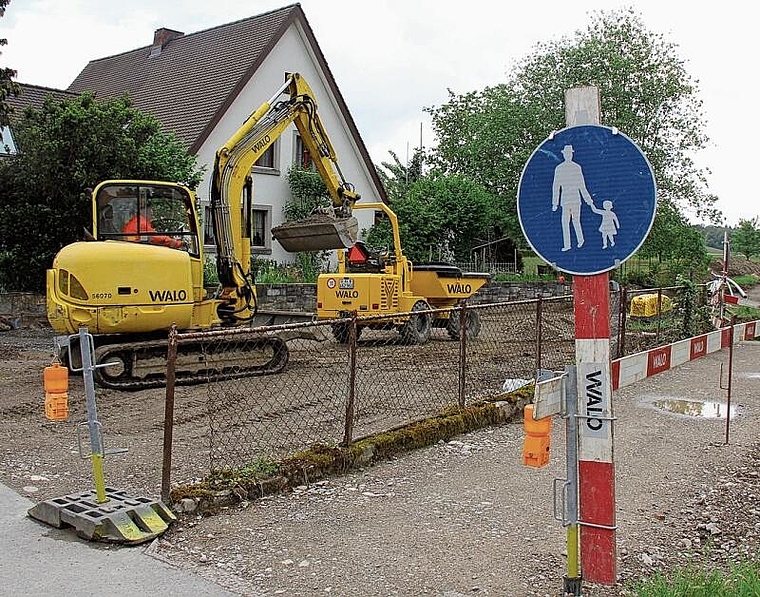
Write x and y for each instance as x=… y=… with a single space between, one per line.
x=317 y=233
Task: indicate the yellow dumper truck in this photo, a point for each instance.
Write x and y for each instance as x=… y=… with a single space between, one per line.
x=386 y=283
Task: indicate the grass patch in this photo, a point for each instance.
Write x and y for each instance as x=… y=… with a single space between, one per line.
x=743 y=313
x=741 y=581
x=747 y=281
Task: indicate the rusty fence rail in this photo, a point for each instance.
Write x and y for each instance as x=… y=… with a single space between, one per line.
x=350 y=378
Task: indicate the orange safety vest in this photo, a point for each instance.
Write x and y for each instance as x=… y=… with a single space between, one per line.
x=141 y=224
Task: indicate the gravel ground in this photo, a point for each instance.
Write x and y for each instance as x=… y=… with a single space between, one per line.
x=466 y=518
x=458 y=518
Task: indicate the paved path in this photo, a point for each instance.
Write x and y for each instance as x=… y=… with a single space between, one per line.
x=40 y=560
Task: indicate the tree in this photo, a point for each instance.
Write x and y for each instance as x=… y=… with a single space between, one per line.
x=746 y=238
x=440 y=218
x=64 y=148
x=397 y=177
x=713 y=235
x=673 y=240
x=8 y=87
x=488 y=135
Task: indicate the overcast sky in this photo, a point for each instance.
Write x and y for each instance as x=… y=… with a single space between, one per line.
x=392 y=58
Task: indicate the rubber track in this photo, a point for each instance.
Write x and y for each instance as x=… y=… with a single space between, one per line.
x=185 y=378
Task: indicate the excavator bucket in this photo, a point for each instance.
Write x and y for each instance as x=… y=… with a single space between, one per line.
x=317 y=233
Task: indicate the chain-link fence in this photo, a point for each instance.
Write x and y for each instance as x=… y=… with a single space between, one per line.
x=648 y=318
x=273 y=391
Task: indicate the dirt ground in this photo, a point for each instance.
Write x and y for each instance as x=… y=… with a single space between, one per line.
x=271 y=415
x=461 y=517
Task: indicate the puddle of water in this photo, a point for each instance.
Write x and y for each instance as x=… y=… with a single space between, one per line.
x=694 y=408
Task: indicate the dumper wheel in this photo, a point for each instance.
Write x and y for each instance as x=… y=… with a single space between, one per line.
x=342 y=332
x=417 y=329
x=472 y=325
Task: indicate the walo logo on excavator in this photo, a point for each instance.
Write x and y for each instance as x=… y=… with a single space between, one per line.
x=167 y=296
x=346 y=294
x=260 y=144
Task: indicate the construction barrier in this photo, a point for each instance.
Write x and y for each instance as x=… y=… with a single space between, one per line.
x=628 y=370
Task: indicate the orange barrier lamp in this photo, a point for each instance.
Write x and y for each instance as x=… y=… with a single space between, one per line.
x=56 y=379
x=538 y=439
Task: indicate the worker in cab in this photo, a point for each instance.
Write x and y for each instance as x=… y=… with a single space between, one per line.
x=140 y=229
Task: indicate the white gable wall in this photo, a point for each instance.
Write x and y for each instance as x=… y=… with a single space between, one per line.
x=291 y=54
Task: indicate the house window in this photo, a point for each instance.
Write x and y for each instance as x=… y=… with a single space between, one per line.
x=268 y=162
x=208 y=226
x=7 y=145
x=301 y=156
x=261 y=242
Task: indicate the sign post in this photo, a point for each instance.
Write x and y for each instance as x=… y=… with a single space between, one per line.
x=586 y=202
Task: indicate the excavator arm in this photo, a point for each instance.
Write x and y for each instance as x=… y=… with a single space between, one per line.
x=231 y=188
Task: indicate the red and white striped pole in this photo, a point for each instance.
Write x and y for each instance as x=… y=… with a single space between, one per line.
x=596 y=468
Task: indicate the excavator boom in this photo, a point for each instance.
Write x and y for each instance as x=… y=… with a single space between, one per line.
x=332 y=228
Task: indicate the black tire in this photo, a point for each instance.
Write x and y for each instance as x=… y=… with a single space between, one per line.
x=342 y=332
x=417 y=329
x=472 y=325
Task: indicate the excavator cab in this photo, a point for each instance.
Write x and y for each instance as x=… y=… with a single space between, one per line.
x=154 y=213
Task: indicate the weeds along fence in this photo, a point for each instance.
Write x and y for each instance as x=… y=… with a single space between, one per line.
x=346 y=379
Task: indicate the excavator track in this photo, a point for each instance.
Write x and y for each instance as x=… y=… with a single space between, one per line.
x=142 y=365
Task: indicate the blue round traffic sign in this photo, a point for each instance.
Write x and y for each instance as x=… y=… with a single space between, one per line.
x=587 y=199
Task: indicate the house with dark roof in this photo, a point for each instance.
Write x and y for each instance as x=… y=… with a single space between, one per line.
x=32 y=96
x=203 y=85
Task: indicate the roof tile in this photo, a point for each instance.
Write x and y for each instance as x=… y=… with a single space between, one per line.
x=187 y=84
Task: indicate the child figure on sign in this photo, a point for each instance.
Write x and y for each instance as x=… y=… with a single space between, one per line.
x=609 y=225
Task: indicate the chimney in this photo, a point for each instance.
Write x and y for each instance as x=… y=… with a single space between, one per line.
x=161 y=37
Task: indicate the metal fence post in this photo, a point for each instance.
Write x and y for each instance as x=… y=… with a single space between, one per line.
x=171 y=368
x=97 y=452
x=730 y=375
x=539 y=319
x=462 y=352
x=659 y=312
x=623 y=320
x=351 y=402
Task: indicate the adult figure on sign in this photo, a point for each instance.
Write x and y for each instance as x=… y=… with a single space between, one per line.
x=568 y=188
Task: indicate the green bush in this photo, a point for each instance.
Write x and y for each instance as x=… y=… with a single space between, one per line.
x=302 y=271
x=210 y=275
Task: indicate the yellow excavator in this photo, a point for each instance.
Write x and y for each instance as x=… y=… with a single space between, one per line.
x=141 y=271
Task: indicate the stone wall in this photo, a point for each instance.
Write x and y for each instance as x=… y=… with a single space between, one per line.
x=287 y=297
x=21 y=309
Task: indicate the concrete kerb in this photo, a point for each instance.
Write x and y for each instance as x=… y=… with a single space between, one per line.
x=230 y=487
